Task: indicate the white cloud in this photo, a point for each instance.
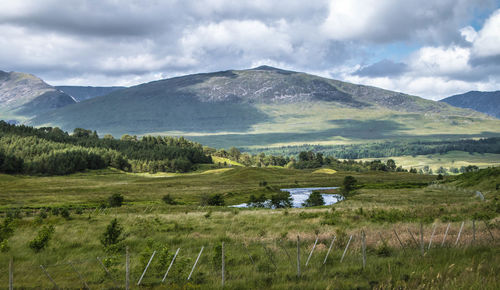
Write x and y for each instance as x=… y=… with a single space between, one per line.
x=487 y=42
x=439 y=61
x=468 y=33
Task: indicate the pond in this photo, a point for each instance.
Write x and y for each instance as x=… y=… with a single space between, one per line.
x=299 y=196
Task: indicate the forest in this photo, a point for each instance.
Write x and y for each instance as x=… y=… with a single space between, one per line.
x=386 y=149
x=52 y=151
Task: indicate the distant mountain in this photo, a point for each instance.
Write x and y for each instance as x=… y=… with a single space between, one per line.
x=485 y=102
x=81 y=93
x=267 y=106
x=23 y=96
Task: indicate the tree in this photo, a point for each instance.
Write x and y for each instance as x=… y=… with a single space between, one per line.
x=235 y=153
x=391 y=165
x=348 y=185
x=213 y=200
x=314 y=199
x=281 y=199
x=42 y=239
x=112 y=236
x=115 y=200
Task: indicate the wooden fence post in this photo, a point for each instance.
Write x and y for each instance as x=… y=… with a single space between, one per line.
x=11 y=273
x=432 y=236
x=488 y=228
x=363 y=247
x=127 y=269
x=445 y=234
x=170 y=266
x=312 y=250
x=223 y=266
x=459 y=233
x=346 y=247
x=329 y=249
x=473 y=231
x=48 y=276
x=422 y=238
x=298 y=256
x=107 y=271
x=79 y=275
x=196 y=262
x=401 y=243
x=145 y=269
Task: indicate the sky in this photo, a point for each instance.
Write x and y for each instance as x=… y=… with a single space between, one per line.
x=427 y=48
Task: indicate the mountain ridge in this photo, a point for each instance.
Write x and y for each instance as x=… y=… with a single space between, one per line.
x=484 y=102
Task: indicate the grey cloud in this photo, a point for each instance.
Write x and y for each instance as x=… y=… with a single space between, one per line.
x=383 y=68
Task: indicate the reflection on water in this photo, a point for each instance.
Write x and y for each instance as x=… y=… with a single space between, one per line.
x=299 y=196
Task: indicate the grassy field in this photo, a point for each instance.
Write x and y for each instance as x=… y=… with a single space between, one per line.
x=447 y=160
x=383 y=203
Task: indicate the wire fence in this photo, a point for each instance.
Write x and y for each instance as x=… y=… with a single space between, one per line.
x=293 y=256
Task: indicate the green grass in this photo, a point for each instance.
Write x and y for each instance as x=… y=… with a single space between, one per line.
x=447 y=160
x=385 y=201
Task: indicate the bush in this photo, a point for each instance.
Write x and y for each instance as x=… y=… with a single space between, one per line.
x=169 y=200
x=314 y=199
x=65 y=213
x=42 y=239
x=115 y=200
x=282 y=199
x=213 y=200
x=111 y=238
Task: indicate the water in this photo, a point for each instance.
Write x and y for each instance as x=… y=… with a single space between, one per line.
x=299 y=196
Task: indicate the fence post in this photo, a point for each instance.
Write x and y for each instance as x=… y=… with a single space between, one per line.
x=412 y=237
x=346 y=247
x=432 y=236
x=363 y=247
x=298 y=256
x=459 y=233
x=312 y=250
x=445 y=234
x=488 y=228
x=11 y=273
x=145 y=269
x=127 y=269
x=196 y=262
x=223 y=266
x=79 y=275
x=422 y=238
x=106 y=270
x=474 y=231
x=170 y=266
x=329 y=249
x=48 y=276
x=401 y=243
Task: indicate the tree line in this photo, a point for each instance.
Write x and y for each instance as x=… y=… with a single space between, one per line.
x=51 y=151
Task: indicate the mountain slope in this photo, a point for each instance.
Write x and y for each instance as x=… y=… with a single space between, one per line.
x=485 y=102
x=81 y=93
x=24 y=95
x=267 y=106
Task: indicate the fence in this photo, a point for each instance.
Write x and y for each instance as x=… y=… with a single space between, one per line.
x=320 y=251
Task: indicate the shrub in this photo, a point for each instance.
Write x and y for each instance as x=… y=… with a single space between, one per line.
x=111 y=238
x=281 y=199
x=257 y=201
x=65 y=213
x=42 y=239
x=314 y=199
x=169 y=200
x=6 y=231
x=214 y=200
x=115 y=200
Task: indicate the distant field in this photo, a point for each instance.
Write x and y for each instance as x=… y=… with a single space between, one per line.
x=448 y=160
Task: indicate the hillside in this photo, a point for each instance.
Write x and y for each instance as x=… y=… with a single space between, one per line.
x=24 y=95
x=266 y=106
x=485 y=102
x=82 y=93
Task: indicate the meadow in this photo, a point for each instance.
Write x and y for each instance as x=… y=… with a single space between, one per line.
x=260 y=244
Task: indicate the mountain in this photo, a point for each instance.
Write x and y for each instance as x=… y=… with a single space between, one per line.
x=485 y=102
x=81 y=93
x=267 y=106
x=23 y=96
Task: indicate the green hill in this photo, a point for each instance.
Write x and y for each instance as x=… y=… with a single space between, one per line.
x=23 y=96
x=485 y=102
x=82 y=93
x=266 y=106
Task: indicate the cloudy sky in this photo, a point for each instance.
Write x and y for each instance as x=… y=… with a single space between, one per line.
x=428 y=48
